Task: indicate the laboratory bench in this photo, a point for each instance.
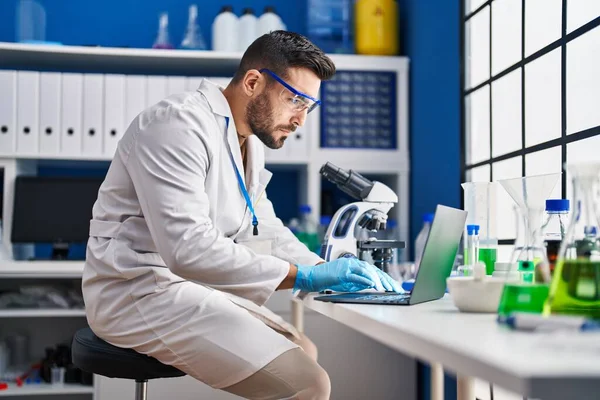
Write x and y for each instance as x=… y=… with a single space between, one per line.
x=548 y=366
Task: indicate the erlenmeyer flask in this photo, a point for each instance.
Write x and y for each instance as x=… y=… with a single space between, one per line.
x=575 y=287
x=529 y=194
x=193 y=39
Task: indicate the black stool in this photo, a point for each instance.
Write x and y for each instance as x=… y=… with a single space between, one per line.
x=94 y=355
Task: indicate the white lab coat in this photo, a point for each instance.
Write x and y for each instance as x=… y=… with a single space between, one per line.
x=166 y=270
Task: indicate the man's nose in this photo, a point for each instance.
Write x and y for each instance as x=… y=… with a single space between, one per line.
x=299 y=118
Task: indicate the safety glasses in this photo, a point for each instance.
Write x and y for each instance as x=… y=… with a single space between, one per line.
x=296 y=100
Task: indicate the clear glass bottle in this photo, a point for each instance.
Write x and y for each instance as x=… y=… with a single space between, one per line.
x=554 y=228
x=308 y=230
x=575 y=287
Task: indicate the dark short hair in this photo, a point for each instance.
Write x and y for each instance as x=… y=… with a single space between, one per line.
x=281 y=50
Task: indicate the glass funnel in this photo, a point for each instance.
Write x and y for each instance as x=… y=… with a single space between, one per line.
x=575 y=288
x=480 y=204
x=529 y=194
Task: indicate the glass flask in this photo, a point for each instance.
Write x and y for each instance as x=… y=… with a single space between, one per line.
x=575 y=286
x=531 y=291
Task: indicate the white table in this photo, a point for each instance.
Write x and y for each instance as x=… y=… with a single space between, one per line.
x=543 y=366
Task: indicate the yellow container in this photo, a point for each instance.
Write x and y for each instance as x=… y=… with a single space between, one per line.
x=376 y=27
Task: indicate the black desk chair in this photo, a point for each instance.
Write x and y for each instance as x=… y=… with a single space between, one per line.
x=94 y=355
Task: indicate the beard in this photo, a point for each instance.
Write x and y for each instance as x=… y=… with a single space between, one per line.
x=259 y=115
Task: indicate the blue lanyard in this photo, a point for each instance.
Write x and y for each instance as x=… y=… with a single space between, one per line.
x=242 y=186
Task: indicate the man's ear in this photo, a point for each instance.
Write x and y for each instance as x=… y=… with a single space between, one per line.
x=252 y=83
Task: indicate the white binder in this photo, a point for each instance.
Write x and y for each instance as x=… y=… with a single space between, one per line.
x=8 y=112
x=50 y=99
x=192 y=83
x=135 y=96
x=114 y=112
x=93 y=104
x=156 y=89
x=175 y=85
x=71 y=113
x=28 y=112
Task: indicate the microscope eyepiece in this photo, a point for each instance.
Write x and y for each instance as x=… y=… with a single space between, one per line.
x=334 y=174
x=350 y=182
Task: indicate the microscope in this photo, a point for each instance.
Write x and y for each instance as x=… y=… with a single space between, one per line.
x=369 y=214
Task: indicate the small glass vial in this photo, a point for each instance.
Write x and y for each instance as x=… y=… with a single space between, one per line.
x=472 y=256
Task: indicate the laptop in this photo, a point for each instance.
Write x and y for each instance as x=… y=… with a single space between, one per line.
x=436 y=264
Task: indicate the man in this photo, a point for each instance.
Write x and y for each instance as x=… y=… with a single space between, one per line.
x=185 y=247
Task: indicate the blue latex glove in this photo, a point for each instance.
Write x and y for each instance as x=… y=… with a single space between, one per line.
x=387 y=281
x=343 y=275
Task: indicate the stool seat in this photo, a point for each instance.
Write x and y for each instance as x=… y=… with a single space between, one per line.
x=92 y=354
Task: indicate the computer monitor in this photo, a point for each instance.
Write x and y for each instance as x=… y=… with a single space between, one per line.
x=53 y=210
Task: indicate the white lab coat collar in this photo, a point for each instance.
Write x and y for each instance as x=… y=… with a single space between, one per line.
x=254 y=173
x=219 y=106
x=216 y=100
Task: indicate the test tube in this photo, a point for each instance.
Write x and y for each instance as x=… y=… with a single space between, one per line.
x=472 y=244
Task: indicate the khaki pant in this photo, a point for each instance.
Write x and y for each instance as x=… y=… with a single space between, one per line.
x=293 y=375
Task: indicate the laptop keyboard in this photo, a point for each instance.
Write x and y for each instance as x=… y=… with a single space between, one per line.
x=385 y=298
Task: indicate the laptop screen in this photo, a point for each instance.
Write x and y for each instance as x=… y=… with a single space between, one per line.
x=439 y=254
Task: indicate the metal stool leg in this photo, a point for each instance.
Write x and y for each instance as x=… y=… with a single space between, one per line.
x=140 y=390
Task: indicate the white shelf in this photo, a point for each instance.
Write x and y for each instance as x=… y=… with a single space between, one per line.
x=45 y=389
x=360 y=160
x=41 y=269
x=104 y=158
x=58 y=157
x=153 y=61
x=117 y=60
x=53 y=313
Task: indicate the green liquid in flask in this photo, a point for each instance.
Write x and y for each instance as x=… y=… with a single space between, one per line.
x=523 y=297
x=575 y=289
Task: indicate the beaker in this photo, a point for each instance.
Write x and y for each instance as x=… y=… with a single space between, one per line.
x=480 y=204
x=529 y=194
x=575 y=287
